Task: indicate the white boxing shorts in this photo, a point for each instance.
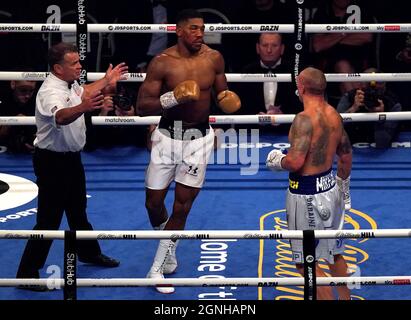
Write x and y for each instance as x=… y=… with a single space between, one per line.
x=179 y=154
x=315 y=203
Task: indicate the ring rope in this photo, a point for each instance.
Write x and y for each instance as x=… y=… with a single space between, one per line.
x=201 y=234
x=70 y=287
x=209 y=28
x=211 y=282
x=231 y=77
x=225 y=119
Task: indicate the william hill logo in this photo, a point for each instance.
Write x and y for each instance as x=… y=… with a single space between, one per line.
x=280 y=253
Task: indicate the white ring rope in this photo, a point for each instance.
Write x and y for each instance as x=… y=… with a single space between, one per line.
x=231 y=77
x=226 y=119
x=201 y=234
x=209 y=28
x=211 y=234
x=210 y=282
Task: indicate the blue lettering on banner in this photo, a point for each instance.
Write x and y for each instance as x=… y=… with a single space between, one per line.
x=325 y=183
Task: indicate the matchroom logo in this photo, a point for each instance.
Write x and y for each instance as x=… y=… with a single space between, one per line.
x=275 y=256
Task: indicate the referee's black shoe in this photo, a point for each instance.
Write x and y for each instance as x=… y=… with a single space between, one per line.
x=35 y=287
x=23 y=273
x=101 y=260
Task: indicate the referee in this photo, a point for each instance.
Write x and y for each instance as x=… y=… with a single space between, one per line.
x=61 y=134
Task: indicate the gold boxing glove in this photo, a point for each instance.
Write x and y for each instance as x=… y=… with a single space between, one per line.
x=228 y=101
x=185 y=91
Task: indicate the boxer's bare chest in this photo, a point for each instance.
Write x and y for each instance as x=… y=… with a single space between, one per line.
x=200 y=68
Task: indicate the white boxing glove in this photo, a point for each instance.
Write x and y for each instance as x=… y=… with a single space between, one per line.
x=344 y=185
x=274 y=158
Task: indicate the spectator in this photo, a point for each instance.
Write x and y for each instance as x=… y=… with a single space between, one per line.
x=395 y=53
x=18 y=101
x=401 y=62
x=330 y=48
x=122 y=104
x=269 y=97
x=371 y=97
x=144 y=46
x=254 y=12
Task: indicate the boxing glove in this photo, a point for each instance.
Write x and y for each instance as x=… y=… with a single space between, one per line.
x=274 y=158
x=228 y=101
x=184 y=92
x=344 y=185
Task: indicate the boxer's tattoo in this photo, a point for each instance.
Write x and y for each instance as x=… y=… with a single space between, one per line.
x=319 y=147
x=300 y=133
x=345 y=146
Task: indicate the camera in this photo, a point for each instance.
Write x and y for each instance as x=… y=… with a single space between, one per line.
x=124 y=102
x=371 y=96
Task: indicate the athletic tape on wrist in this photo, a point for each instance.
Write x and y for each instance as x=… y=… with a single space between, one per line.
x=168 y=100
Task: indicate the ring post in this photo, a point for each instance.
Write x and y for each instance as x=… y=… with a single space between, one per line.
x=310 y=284
x=70 y=266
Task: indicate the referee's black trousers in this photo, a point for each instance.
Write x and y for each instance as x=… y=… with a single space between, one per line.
x=62 y=188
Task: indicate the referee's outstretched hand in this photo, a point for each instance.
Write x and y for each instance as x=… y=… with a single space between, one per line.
x=119 y=72
x=92 y=100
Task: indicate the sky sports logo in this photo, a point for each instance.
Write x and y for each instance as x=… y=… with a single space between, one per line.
x=389 y=28
x=392 y=28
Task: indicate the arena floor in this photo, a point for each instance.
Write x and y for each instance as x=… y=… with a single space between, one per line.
x=236 y=196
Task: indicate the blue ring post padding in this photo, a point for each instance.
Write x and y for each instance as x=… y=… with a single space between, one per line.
x=310 y=284
x=70 y=266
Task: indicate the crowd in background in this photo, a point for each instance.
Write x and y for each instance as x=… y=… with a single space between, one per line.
x=243 y=53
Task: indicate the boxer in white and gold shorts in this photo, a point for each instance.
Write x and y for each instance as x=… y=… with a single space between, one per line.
x=315 y=203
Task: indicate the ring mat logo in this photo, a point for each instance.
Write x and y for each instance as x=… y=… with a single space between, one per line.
x=4 y=187
x=15 y=191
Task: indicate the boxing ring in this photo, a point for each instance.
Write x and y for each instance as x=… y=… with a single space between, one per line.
x=70 y=282
x=265 y=182
x=116 y=186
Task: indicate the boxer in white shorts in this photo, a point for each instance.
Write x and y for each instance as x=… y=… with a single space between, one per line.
x=183 y=159
x=316 y=199
x=178 y=85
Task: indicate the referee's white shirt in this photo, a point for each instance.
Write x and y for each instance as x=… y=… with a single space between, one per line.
x=54 y=94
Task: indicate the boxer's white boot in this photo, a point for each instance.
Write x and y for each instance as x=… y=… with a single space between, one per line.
x=157 y=269
x=171 y=262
